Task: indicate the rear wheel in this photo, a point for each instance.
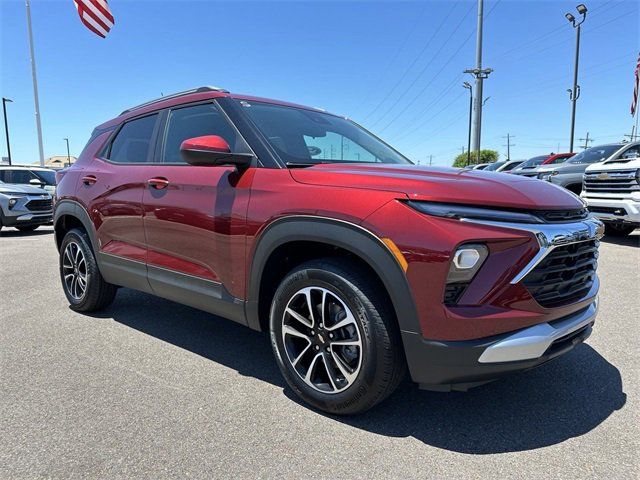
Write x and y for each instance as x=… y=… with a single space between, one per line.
x=82 y=282
x=335 y=338
x=618 y=230
x=28 y=228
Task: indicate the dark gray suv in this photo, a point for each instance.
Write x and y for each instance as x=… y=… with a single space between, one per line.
x=569 y=174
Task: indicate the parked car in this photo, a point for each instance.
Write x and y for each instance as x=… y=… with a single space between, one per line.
x=480 y=166
x=29 y=175
x=509 y=165
x=359 y=264
x=24 y=207
x=612 y=190
x=531 y=167
x=569 y=174
x=492 y=167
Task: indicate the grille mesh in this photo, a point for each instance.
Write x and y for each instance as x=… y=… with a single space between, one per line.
x=565 y=275
x=39 y=205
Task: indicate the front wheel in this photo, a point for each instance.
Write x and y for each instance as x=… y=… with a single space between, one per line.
x=618 y=230
x=335 y=337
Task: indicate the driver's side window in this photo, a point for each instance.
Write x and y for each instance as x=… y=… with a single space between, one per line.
x=633 y=152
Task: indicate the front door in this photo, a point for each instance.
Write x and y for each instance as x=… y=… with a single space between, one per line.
x=195 y=217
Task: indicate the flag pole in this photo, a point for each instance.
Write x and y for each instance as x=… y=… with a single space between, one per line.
x=35 y=83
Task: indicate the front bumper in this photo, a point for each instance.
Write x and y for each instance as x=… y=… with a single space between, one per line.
x=615 y=210
x=27 y=219
x=445 y=366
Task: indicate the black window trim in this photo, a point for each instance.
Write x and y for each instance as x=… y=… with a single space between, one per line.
x=106 y=150
x=163 y=130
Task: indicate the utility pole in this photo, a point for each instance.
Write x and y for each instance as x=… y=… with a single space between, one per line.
x=509 y=145
x=586 y=141
x=35 y=83
x=68 y=155
x=430 y=160
x=6 y=125
x=480 y=74
x=574 y=92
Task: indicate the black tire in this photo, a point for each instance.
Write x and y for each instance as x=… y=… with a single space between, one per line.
x=382 y=364
x=618 y=230
x=28 y=228
x=98 y=294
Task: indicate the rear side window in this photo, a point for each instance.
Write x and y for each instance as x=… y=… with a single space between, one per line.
x=196 y=121
x=133 y=141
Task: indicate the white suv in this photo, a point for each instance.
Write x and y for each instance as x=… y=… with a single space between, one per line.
x=39 y=177
x=612 y=190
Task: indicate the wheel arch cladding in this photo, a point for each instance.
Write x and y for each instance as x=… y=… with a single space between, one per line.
x=334 y=236
x=69 y=214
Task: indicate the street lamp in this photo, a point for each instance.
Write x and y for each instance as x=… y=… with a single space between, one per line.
x=574 y=93
x=6 y=125
x=68 y=156
x=468 y=86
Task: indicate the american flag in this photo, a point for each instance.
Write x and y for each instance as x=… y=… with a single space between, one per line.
x=95 y=15
x=636 y=87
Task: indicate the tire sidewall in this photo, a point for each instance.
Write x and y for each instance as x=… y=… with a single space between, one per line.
x=91 y=266
x=349 y=399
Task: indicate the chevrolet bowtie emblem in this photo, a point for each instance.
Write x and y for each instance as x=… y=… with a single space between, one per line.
x=603 y=176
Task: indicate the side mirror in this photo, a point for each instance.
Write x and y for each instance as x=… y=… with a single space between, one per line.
x=36 y=182
x=212 y=150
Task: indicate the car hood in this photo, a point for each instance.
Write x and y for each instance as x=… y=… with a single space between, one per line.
x=614 y=165
x=453 y=185
x=12 y=188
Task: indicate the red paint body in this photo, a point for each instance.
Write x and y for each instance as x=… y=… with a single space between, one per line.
x=206 y=222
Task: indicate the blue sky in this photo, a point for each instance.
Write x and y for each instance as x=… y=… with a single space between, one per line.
x=396 y=67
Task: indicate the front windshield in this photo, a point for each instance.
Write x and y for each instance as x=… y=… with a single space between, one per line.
x=47 y=176
x=594 y=154
x=307 y=137
x=494 y=166
x=533 y=162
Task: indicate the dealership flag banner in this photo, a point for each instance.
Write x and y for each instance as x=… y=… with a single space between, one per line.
x=95 y=15
x=634 y=102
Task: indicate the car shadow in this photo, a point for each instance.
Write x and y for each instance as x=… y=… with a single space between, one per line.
x=632 y=240
x=560 y=400
x=11 y=232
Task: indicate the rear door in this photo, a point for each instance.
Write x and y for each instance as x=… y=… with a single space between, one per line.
x=111 y=188
x=195 y=217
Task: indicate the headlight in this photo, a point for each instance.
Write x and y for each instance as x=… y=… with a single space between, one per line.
x=457 y=211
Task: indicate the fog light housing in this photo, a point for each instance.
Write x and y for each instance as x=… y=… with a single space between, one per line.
x=12 y=202
x=465 y=263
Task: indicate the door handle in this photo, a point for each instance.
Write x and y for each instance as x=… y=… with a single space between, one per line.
x=89 y=179
x=158 y=183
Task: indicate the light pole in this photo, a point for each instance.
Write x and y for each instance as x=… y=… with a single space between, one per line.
x=574 y=93
x=6 y=125
x=68 y=156
x=468 y=86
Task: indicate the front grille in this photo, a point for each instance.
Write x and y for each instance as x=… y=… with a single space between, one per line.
x=39 y=205
x=619 y=211
x=616 y=182
x=552 y=216
x=565 y=275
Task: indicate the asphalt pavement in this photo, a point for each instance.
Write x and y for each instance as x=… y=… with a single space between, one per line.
x=152 y=389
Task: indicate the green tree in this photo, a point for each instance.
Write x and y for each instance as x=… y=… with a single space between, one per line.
x=486 y=156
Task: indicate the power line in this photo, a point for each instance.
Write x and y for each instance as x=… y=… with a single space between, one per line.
x=415 y=60
x=424 y=69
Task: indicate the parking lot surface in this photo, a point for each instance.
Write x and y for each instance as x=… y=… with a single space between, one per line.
x=149 y=388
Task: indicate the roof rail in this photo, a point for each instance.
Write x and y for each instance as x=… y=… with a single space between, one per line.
x=176 y=95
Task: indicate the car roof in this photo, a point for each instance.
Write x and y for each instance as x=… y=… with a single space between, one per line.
x=194 y=95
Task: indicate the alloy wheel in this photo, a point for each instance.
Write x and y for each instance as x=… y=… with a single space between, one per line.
x=74 y=270
x=322 y=340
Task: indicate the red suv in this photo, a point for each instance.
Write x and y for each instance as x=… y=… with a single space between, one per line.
x=301 y=223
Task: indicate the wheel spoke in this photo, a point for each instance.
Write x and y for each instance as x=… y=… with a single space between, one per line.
x=67 y=255
x=345 y=343
x=301 y=354
x=289 y=330
x=330 y=372
x=348 y=320
x=307 y=295
x=77 y=256
x=299 y=318
x=349 y=375
x=312 y=365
